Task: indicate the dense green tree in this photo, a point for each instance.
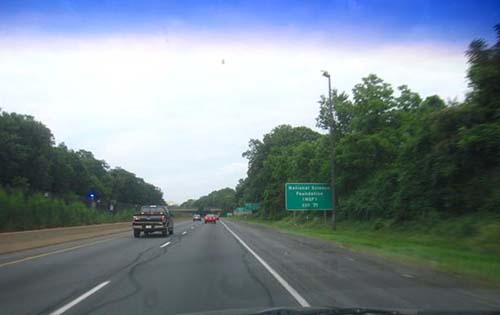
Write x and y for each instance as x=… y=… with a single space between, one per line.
x=62 y=170
x=224 y=199
x=128 y=188
x=25 y=147
x=271 y=165
x=397 y=155
x=30 y=162
x=188 y=203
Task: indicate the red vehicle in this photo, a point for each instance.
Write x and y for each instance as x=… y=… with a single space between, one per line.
x=210 y=218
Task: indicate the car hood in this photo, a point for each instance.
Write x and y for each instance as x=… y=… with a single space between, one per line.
x=334 y=310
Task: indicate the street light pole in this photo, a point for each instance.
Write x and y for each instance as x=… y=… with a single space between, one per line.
x=332 y=132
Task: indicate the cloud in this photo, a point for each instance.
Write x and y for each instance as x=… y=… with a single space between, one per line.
x=174 y=114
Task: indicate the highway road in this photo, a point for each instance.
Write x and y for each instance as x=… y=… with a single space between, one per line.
x=226 y=266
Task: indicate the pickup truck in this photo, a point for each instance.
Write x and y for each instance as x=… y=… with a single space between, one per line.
x=151 y=219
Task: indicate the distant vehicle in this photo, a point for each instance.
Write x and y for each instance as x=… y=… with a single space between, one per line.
x=210 y=218
x=196 y=217
x=150 y=219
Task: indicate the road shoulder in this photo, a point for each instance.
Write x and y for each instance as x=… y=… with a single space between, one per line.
x=333 y=275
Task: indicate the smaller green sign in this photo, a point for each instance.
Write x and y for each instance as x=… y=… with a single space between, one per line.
x=308 y=196
x=252 y=206
x=242 y=209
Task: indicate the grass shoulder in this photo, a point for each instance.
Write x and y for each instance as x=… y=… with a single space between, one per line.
x=467 y=246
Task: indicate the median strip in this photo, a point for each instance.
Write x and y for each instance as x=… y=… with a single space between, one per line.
x=79 y=299
x=23 y=240
x=302 y=302
x=51 y=253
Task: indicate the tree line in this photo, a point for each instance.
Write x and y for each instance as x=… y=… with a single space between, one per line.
x=224 y=199
x=397 y=155
x=31 y=162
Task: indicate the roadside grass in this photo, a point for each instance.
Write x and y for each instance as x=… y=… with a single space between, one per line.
x=20 y=212
x=467 y=246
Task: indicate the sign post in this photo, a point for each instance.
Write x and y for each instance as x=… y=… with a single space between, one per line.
x=308 y=197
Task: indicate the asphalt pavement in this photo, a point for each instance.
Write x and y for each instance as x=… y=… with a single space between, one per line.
x=216 y=267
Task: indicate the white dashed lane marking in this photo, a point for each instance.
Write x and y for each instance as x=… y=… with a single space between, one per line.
x=166 y=244
x=82 y=297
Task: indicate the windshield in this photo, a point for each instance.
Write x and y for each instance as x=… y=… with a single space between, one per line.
x=146 y=210
x=249 y=156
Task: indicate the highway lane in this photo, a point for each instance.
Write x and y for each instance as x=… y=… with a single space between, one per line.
x=204 y=270
x=36 y=285
x=203 y=267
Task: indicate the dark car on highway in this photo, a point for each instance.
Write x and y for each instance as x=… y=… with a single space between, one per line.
x=151 y=219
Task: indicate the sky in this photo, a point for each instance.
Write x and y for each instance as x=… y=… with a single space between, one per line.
x=174 y=90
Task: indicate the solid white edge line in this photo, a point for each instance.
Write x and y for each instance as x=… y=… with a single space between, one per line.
x=166 y=244
x=273 y=272
x=79 y=299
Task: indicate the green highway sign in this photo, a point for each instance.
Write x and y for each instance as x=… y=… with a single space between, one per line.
x=308 y=196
